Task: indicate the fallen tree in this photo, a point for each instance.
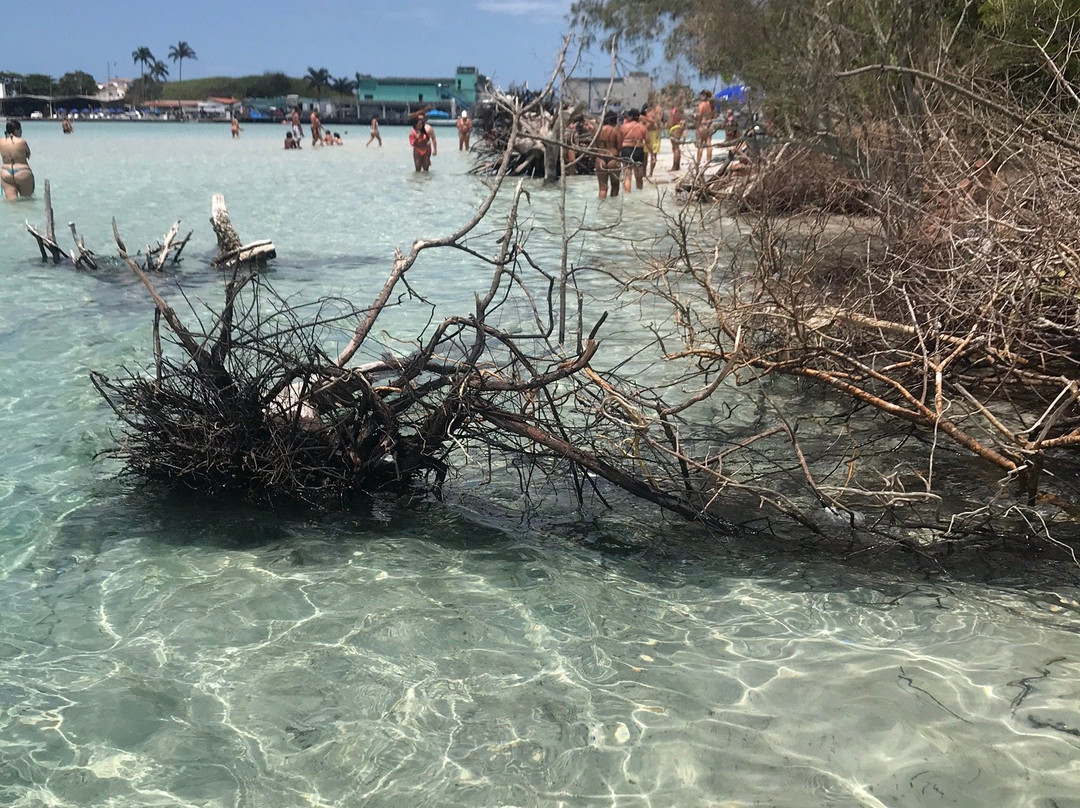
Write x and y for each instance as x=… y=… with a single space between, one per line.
x=943 y=325
x=256 y=406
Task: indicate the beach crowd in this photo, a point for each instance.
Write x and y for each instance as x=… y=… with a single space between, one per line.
x=622 y=151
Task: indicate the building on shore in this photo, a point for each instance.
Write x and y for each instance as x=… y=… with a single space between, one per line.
x=391 y=100
x=595 y=94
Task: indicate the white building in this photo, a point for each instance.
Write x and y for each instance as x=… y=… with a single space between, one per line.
x=113 y=90
x=617 y=95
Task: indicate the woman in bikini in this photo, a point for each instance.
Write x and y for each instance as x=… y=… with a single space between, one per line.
x=608 y=166
x=374 y=133
x=422 y=142
x=633 y=149
x=653 y=118
x=15 y=174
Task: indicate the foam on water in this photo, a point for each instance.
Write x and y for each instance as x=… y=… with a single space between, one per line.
x=166 y=652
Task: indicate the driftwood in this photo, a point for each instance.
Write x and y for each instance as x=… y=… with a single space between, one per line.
x=232 y=252
x=537 y=141
x=82 y=258
x=782 y=180
x=47 y=241
x=255 y=406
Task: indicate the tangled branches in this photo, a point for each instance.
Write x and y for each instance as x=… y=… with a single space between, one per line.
x=255 y=407
x=946 y=322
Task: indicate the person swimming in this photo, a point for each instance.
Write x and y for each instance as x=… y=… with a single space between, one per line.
x=15 y=175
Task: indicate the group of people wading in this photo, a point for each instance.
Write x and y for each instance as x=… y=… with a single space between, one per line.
x=421 y=136
x=295 y=136
x=626 y=150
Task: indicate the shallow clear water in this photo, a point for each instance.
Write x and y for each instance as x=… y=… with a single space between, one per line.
x=158 y=651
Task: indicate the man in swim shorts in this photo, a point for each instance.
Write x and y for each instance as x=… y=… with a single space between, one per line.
x=633 y=149
x=297 y=129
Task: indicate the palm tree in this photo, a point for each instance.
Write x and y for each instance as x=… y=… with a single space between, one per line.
x=142 y=54
x=159 y=71
x=318 y=79
x=178 y=53
x=343 y=85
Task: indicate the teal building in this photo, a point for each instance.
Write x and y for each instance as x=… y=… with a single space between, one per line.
x=391 y=100
x=460 y=88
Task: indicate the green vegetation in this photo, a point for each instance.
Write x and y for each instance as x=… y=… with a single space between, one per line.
x=77 y=83
x=36 y=84
x=318 y=80
x=784 y=48
x=927 y=286
x=178 y=53
x=143 y=56
x=267 y=85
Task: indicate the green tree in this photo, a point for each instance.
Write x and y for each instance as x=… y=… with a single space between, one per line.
x=76 y=83
x=178 y=53
x=269 y=85
x=1021 y=37
x=143 y=55
x=143 y=89
x=343 y=85
x=38 y=84
x=318 y=79
x=159 y=71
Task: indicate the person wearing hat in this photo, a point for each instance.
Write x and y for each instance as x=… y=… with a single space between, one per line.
x=464 y=130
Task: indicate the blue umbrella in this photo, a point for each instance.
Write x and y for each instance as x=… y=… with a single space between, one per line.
x=735 y=92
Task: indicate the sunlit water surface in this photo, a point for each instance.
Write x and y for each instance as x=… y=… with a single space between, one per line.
x=164 y=652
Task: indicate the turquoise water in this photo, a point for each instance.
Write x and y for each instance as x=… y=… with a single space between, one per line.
x=159 y=651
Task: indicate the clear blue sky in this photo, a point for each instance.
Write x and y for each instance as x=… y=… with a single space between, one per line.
x=510 y=41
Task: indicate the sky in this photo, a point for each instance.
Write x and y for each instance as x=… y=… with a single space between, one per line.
x=509 y=41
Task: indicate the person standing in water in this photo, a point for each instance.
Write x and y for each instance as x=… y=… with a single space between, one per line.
x=633 y=150
x=297 y=129
x=677 y=136
x=15 y=175
x=464 y=131
x=374 y=133
x=608 y=167
x=424 y=146
x=653 y=118
x=316 y=127
x=706 y=114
